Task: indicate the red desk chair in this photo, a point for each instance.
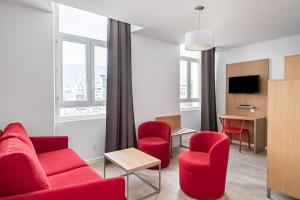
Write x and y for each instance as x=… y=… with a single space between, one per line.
x=236 y=127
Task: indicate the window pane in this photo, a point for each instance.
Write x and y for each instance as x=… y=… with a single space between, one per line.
x=74 y=71
x=100 y=73
x=80 y=111
x=183 y=79
x=82 y=23
x=195 y=80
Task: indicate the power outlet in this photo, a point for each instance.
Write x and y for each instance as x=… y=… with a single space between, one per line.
x=252 y=110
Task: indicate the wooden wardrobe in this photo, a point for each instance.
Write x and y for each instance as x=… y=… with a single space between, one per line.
x=283 y=174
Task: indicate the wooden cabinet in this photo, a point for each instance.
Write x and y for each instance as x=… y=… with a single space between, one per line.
x=284 y=137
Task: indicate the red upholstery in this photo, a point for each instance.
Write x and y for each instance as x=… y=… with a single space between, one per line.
x=154 y=139
x=49 y=143
x=20 y=170
x=60 y=161
x=105 y=189
x=236 y=127
x=202 y=169
x=73 y=177
x=16 y=130
x=148 y=142
x=23 y=172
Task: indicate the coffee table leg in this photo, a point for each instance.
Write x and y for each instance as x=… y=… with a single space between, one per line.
x=127 y=186
x=159 y=178
x=104 y=171
x=180 y=140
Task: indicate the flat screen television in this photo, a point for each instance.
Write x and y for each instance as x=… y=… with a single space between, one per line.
x=244 y=84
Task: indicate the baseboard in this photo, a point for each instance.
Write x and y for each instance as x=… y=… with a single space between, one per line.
x=95 y=160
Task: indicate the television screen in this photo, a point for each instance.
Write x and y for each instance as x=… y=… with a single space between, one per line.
x=244 y=84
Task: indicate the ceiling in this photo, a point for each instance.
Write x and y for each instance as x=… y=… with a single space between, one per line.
x=44 y=5
x=235 y=22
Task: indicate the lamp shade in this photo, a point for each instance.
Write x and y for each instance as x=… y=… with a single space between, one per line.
x=199 y=40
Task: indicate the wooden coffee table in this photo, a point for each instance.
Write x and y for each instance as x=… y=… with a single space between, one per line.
x=132 y=160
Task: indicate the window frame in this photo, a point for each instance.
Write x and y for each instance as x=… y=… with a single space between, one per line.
x=90 y=45
x=189 y=99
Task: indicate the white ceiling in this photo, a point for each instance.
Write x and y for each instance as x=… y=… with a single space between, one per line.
x=44 y=5
x=235 y=22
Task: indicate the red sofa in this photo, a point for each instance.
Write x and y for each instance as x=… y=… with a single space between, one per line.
x=154 y=138
x=44 y=168
x=202 y=169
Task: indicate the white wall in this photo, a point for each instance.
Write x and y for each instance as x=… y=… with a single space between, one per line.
x=26 y=72
x=155 y=71
x=86 y=137
x=275 y=50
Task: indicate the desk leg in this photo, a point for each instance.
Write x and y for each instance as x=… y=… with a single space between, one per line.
x=268 y=193
x=259 y=135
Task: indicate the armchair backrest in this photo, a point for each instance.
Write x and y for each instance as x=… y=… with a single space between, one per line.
x=219 y=152
x=204 y=140
x=154 y=129
x=214 y=143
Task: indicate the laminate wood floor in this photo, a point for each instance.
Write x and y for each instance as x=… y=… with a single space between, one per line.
x=246 y=178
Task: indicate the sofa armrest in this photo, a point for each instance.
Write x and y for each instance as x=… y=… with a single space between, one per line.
x=49 y=143
x=105 y=189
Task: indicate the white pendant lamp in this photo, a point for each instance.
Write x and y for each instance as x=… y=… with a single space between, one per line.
x=199 y=39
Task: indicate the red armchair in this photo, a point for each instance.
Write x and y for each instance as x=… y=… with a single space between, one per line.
x=45 y=168
x=154 y=138
x=202 y=169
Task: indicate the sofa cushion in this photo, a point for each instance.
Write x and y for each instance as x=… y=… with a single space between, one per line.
x=20 y=170
x=18 y=131
x=59 y=161
x=77 y=176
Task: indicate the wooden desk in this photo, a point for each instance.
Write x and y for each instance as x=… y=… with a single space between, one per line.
x=257 y=129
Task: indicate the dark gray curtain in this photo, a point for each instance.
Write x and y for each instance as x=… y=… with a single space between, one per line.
x=120 y=126
x=208 y=94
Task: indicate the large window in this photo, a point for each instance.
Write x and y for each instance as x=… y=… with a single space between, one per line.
x=81 y=66
x=189 y=79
